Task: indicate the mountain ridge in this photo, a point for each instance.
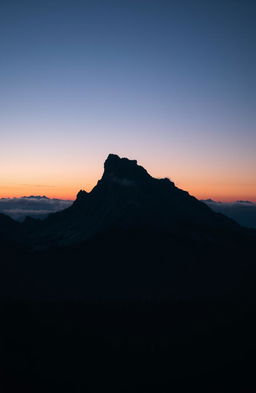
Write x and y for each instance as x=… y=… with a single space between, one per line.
x=142 y=238
x=127 y=197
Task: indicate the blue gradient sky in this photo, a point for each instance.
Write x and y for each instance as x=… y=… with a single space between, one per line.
x=170 y=83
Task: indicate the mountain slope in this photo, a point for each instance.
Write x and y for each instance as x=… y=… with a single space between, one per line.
x=137 y=287
x=131 y=236
x=128 y=197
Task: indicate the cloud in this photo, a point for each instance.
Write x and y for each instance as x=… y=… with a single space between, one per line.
x=34 y=206
x=245 y=202
x=39 y=206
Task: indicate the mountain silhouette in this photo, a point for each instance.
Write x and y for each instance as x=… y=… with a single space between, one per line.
x=127 y=197
x=132 y=236
x=137 y=286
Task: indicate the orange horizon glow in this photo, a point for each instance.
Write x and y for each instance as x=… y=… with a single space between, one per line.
x=69 y=192
x=62 y=178
x=152 y=83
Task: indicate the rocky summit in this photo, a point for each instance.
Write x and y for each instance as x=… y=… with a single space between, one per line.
x=127 y=197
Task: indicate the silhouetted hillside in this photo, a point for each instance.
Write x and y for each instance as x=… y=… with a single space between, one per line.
x=136 y=287
x=127 y=197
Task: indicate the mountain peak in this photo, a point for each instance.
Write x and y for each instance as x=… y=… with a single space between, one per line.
x=128 y=198
x=81 y=194
x=123 y=168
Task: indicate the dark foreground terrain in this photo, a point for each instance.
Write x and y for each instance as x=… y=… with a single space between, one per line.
x=136 y=287
x=76 y=321
x=128 y=346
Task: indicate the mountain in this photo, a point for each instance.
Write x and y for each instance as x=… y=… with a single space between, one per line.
x=127 y=197
x=136 y=287
x=132 y=236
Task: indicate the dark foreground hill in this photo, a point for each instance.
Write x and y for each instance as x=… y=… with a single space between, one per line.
x=137 y=287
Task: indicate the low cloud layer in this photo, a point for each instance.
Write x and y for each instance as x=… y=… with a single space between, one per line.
x=33 y=206
x=244 y=212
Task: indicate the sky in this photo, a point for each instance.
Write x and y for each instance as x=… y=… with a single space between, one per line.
x=169 y=83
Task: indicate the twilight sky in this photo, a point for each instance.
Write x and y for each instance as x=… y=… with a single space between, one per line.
x=169 y=83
